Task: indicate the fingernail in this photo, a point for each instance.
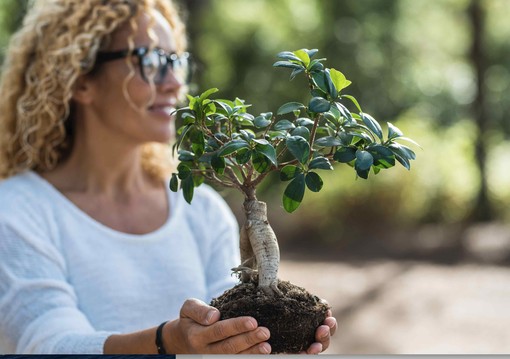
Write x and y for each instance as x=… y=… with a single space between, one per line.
x=263 y=334
x=250 y=325
x=210 y=316
x=265 y=348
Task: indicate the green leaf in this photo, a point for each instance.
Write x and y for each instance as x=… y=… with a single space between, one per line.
x=265 y=148
x=248 y=135
x=185 y=112
x=344 y=112
x=409 y=140
x=181 y=138
x=339 y=79
x=328 y=141
x=363 y=173
x=209 y=108
x=383 y=156
x=303 y=121
x=404 y=150
x=319 y=105
x=284 y=125
x=301 y=131
x=294 y=193
x=193 y=103
x=243 y=156
x=186 y=156
x=225 y=107
x=197 y=141
x=393 y=131
x=198 y=179
x=347 y=139
x=366 y=138
x=403 y=154
x=320 y=163
x=354 y=101
x=320 y=80
x=244 y=119
x=364 y=160
x=263 y=120
x=288 y=64
x=372 y=124
x=290 y=107
x=316 y=65
x=275 y=135
x=233 y=146
x=299 y=148
x=313 y=181
x=330 y=85
x=296 y=72
x=188 y=187
x=287 y=55
x=184 y=171
x=174 y=183
x=311 y=53
x=345 y=154
x=218 y=164
x=303 y=56
x=260 y=162
x=289 y=172
x=206 y=94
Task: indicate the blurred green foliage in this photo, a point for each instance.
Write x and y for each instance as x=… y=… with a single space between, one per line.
x=410 y=63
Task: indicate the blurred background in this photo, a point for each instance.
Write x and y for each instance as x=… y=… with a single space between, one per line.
x=412 y=262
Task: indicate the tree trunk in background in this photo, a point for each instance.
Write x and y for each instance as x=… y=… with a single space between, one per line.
x=483 y=210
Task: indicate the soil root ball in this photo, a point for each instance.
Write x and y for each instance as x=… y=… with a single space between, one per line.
x=291 y=319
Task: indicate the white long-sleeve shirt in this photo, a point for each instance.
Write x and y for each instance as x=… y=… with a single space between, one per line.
x=67 y=282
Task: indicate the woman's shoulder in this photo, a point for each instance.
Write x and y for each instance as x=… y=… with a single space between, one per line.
x=19 y=192
x=17 y=185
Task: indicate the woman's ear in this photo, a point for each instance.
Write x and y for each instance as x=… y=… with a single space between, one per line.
x=83 y=90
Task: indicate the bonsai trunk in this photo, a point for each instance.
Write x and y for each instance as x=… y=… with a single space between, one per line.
x=290 y=312
x=259 y=248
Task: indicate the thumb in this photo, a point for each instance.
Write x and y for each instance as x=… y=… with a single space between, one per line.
x=199 y=312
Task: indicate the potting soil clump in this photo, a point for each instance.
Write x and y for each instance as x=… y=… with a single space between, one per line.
x=291 y=318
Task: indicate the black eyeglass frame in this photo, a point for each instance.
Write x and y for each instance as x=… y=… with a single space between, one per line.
x=140 y=52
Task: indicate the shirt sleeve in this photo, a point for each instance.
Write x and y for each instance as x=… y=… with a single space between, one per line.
x=38 y=307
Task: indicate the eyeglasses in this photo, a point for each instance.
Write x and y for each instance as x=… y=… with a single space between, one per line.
x=154 y=63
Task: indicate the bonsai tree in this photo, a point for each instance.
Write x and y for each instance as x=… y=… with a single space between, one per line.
x=220 y=141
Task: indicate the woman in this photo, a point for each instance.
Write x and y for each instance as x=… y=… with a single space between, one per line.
x=95 y=251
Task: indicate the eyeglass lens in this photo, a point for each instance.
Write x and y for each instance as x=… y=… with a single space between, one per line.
x=156 y=63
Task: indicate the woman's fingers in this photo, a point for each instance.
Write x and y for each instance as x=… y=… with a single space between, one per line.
x=330 y=321
x=322 y=336
x=230 y=327
x=199 y=312
x=251 y=342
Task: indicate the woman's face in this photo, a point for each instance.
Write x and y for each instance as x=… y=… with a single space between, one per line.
x=143 y=115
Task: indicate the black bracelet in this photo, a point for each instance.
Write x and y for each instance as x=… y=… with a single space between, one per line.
x=159 y=340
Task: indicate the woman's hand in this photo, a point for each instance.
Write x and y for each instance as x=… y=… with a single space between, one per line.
x=323 y=335
x=199 y=331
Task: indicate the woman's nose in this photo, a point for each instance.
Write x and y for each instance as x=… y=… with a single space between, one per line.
x=170 y=82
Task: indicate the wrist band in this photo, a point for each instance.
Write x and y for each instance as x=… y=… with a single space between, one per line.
x=159 y=340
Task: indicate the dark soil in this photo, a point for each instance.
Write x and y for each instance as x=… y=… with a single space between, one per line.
x=291 y=319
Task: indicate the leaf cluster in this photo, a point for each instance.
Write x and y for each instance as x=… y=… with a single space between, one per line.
x=221 y=141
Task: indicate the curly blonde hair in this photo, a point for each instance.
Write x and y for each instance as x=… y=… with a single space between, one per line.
x=58 y=42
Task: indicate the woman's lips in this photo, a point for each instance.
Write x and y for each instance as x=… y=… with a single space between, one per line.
x=163 y=109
